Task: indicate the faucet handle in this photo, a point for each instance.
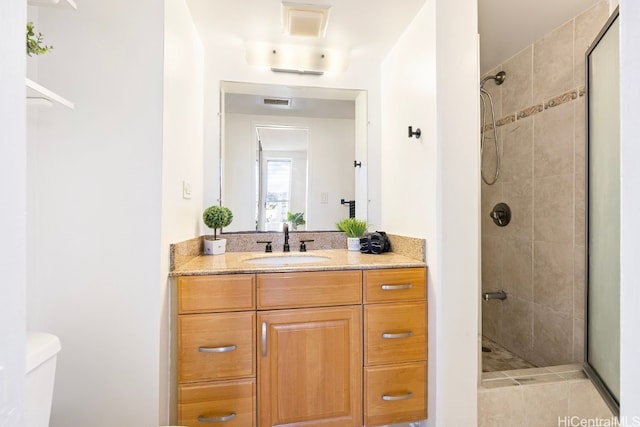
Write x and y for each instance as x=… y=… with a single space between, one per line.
x=303 y=246
x=268 y=248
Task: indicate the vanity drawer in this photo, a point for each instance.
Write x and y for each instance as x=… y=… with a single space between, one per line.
x=228 y=403
x=216 y=346
x=201 y=294
x=309 y=289
x=395 y=332
x=396 y=393
x=397 y=284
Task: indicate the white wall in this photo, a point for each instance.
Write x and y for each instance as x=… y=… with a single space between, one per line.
x=458 y=204
x=228 y=63
x=409 y=165
x=330 y=168
x=181 y=161
x=361 y=172
x=429 y=81
x=332 y=152
x=630 y=210
x=12 y=214
x=96 y=184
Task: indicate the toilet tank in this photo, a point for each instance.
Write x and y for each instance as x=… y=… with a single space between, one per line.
x=42 y=350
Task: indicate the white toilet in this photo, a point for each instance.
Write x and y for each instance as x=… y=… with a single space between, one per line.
x=42 y=351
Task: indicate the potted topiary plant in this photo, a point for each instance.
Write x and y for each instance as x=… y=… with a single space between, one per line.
x=295 y=219
x=216 y=217
x=354 y=229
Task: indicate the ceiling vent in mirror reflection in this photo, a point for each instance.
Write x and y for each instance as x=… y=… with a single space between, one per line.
x=277 y=102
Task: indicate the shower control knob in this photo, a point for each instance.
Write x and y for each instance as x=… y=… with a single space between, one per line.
x=501 y=214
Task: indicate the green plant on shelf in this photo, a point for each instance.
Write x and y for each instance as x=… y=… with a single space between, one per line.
x=35 y=42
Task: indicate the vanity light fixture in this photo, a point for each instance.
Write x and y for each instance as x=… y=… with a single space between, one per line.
x=305 y=20
x=298 y=59
x=290 y=71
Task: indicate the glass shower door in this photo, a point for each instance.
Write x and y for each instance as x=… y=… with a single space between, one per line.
x=603 y=214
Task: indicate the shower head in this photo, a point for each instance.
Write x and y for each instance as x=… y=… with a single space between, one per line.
x=498 y=78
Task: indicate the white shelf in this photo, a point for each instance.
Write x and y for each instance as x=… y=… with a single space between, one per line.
x=64 y=4
x=40 y=95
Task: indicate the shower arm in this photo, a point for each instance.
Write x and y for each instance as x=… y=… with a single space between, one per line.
x=498 y=79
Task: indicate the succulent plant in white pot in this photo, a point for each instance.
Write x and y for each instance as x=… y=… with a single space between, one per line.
x=216 y=217
x=354 y=229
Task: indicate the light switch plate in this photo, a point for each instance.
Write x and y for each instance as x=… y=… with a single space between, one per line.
x=186 y=190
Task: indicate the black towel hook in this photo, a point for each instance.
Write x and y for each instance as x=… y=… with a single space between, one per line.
x=415 y=133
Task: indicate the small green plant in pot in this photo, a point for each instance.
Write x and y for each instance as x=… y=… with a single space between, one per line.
x=216 y=217
x=354 y=229
x=296 y=219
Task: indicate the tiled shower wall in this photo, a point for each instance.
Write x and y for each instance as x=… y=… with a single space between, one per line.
x=538 y=259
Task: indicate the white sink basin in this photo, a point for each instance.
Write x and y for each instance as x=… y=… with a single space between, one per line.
x=278 y=260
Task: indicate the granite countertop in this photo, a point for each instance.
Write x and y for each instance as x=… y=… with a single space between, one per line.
x=339 y=259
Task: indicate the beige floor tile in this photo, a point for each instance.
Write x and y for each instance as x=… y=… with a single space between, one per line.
x=545 y=403
x=572 y=367
x=586 y=402
x=539 y=379
x=501 y=407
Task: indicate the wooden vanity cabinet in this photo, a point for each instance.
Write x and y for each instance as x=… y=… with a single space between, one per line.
x=299 y=349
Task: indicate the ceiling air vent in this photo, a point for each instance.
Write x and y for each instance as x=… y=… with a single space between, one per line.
x=304 y=19
x=278 y=102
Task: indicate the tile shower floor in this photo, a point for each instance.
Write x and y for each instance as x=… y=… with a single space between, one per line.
x=531 y=376
x=500 y=359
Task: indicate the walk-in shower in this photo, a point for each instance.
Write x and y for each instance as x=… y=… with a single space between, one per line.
x=485 y=98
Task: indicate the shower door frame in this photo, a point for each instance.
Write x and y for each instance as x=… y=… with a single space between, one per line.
x=604 y=390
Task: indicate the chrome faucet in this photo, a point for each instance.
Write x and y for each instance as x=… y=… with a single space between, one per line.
x=285 y=228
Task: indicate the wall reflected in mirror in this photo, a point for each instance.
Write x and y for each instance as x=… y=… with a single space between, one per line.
x=288 y=156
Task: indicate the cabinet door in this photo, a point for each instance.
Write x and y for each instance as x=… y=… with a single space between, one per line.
x=310 y=367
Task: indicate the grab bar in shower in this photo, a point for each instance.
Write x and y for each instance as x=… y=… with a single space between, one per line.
x=501 y=295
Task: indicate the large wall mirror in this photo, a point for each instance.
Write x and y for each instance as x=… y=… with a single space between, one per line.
x=291 y=153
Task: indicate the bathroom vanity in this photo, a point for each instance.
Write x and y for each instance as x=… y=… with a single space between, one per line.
x=340 y=343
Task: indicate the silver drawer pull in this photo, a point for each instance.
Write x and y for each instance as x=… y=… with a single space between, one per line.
x=222 y=419
x=264 y=339
x=388 y=336
x=388 y=397
x=225 y=349
x=396 y=287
